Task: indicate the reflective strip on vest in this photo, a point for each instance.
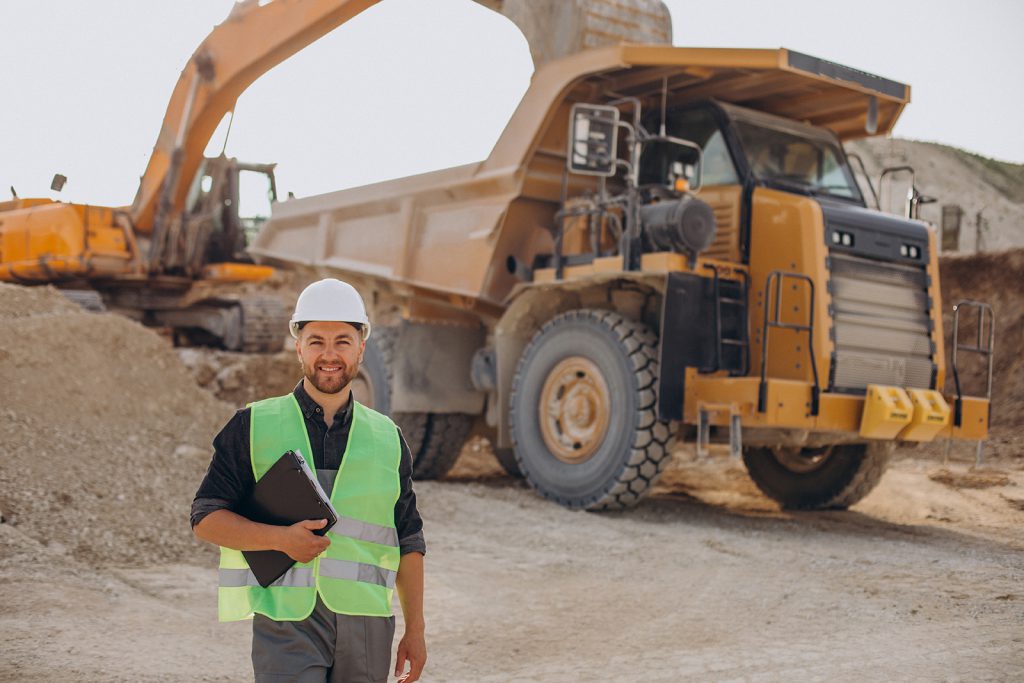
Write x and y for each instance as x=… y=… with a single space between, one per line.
x=357 y=571
x=296 y=577
x=364 y=531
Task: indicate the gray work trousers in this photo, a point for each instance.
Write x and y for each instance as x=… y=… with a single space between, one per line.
x=325 y=647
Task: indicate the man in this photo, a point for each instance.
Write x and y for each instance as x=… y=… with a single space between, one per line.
x=329 y=618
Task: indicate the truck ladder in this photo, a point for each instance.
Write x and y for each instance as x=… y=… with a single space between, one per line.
x=742 y=341
x=984 y=345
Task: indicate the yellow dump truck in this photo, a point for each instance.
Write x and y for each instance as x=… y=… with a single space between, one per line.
x=664 y=243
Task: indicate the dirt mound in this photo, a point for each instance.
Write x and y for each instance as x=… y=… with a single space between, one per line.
x=993 y=278
x=105 y=434
x=23 y=302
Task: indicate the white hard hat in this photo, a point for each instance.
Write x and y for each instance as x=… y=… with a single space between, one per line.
x=330 y=300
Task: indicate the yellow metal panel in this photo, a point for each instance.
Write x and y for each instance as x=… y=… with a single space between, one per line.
x=887 y=410
x=974 y=420
x=577 y=272
x=544 y=275
x=788 y=404
x=568 y=272
x=106 y=241
x=725 y=201
x=608 y=264
x=931 y=414
x=23 y=203
x=839 y=413
x=663 y=262
x=789 y=236
x=660 y=262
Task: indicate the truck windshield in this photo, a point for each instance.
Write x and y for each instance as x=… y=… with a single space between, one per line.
x=786 y=157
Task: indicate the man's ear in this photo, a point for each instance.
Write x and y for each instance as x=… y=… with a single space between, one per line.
x=298 y=351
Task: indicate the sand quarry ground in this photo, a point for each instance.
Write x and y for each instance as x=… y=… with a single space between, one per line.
x=105 y=431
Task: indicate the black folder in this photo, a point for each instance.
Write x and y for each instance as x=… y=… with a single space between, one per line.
x=287 y=493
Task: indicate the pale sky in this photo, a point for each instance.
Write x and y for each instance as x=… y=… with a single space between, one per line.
x=416 y=85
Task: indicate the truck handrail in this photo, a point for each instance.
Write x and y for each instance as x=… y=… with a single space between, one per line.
x=777 y=277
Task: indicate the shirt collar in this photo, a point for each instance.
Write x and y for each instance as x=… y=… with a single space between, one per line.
x=309 y=406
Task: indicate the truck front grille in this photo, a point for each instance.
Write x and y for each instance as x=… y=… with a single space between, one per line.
x=881 y=324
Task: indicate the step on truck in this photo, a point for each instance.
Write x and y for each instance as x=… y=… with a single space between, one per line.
x=665 y=243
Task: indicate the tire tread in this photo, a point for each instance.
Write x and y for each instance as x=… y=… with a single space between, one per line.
x=855 y=476
x=652 y=438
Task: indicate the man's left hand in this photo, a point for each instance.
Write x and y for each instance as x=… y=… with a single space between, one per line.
x=412 y=648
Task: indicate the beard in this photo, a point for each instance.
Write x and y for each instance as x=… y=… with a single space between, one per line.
x=330 y=383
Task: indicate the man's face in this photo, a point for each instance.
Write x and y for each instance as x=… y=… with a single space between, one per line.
x=330 y=354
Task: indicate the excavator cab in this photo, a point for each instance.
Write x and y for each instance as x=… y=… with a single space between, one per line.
x=257 y=193
x=228 y=203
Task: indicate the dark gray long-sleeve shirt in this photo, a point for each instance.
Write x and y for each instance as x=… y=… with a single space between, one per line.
x=229 y=479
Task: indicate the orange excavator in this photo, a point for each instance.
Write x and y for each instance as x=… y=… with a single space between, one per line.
x=174 y=258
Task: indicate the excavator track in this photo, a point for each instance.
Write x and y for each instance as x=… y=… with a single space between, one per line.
x=264 y=323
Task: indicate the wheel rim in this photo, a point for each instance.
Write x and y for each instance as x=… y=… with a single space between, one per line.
x=802 y=460
x=574 y=408
x=362 y=389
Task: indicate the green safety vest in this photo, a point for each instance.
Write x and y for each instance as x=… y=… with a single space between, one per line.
x=356 y=574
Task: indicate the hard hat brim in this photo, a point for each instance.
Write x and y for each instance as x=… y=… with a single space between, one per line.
x=295 y=326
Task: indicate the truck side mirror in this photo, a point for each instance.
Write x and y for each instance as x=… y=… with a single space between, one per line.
x=57 y=184
x=593 y=139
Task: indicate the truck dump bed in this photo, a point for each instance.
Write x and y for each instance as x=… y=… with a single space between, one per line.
x=428 y=230
x=455 y=234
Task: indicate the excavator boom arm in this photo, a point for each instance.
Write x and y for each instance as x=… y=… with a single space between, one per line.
x=251 y=41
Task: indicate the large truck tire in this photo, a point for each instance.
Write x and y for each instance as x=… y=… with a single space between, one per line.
x=584 y=419
x=435 y=439
x=833 y=477
x=443 y=437
x=372 y=384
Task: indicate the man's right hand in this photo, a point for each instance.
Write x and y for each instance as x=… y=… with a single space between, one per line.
x=300 y=543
